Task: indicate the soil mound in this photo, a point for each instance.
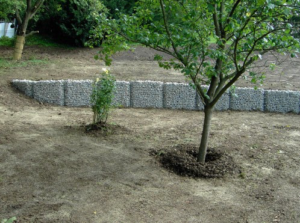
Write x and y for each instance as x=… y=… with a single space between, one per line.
x=182 y=160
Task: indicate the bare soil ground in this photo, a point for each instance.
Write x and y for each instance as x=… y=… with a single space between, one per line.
x=52 y=171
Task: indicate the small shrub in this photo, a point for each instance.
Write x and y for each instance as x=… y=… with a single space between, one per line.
x=102 y=96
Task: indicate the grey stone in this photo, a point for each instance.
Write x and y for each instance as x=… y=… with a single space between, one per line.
x=78 y=93
x=49 y=92
x=153 y=94
x=146 y=94
x=25 y=86
x=247 y=99
x=282 y=101
x=122 y=94
x=179 y=96
x=223 y=103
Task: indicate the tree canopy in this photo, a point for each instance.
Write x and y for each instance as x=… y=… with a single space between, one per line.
x=8 y=8
x=212 y=42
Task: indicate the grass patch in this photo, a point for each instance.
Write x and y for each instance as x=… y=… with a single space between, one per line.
x=33 y=40
x=8 y=63
x=45 y=41
x=6 y=41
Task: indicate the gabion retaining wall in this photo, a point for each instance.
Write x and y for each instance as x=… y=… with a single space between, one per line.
x=77 y=93
x=49 y=92
x=179 y=96
x=155 y=94
x=247 y=99
x=146 y=94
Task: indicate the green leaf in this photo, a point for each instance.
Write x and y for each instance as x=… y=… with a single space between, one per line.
x=272 y=66
x=261 y=2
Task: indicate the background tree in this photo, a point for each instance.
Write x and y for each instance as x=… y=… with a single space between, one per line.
x=69 y=21
x=8 y=9
x=23 y=19
x=295 y=21
x=212 y=42
x=116 y=6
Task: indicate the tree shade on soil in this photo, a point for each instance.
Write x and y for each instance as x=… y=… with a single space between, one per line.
x=182 y=160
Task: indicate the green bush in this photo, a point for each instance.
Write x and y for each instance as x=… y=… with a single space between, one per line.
x=69 y=21
x=102 y=96
x=115 y=6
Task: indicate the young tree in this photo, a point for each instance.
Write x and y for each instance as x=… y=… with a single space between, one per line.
x=32 y=7
x=212 y=42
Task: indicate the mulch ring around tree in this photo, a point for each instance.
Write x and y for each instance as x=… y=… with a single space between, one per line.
x=104 y=129
x=182 y=160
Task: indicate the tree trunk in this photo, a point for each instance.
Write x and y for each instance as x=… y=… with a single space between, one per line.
x=22 y=28
x=20 y=41
x=205 y=134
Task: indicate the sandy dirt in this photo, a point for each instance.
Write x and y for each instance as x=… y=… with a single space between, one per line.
x=52 y=171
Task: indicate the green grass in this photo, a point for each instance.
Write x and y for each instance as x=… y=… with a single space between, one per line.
x=39 y=40
x=5 y=41
x=33 y=40
x=7 y=63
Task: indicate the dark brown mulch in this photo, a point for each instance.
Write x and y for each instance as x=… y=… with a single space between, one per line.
x=182 y=160
x=104 y=129
x=100 y=126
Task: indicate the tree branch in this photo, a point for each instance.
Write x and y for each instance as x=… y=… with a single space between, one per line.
x=18 y=17
x=158 y=48
x=255 y=42
x=36 y=7
x=224 y=89
x=199 y=90
x=28 y=6
x=31 y=33
x=168 y=31
x=216 y=22
x=233 y=9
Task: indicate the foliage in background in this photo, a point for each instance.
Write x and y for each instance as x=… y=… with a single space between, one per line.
x=243 y=32
x=116 y=6
x=102 y=96
x=8 y=9
x=69 y=21
x=295 y=21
